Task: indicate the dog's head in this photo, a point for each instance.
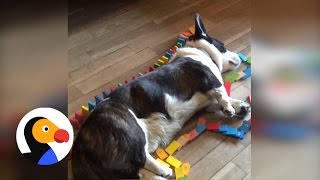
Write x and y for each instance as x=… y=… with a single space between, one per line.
x=224 y=59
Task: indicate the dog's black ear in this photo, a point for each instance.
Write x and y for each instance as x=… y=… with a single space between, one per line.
x=200 y=31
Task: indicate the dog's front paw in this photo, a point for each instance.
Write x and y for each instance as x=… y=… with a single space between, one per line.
x=228 y=111
x=165 y=172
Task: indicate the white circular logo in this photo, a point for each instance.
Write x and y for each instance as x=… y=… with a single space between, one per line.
x=44 y=136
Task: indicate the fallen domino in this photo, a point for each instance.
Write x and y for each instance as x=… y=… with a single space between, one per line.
x=232 y=77
x=247 y=72
x=212 y=126
x=245 y=127
x=231 y=131
x=201 y=121
x=186 y=168
x=173 y=161
x=227 y=85
x=223 y=128
x=161 y=153
x=173 y=147
x=179 y=172
x=242 y=57
x=182 y=140
x=248 y=60
x=201 y=128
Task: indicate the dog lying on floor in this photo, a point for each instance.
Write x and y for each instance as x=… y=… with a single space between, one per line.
x=116 y=140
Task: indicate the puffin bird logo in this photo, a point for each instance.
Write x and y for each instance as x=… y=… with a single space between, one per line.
x=43 y=140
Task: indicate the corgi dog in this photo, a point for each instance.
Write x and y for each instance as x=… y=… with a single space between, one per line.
x=116 y=140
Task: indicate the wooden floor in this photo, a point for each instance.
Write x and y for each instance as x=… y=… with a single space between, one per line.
x=111 y=41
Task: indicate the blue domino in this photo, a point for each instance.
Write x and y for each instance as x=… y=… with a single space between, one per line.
x=182 y=41
x=200 y=128
x=98 y=99
x=247 y=72
x=242 y=57
x=231 y=131
x=240 y=134
x=91 y=105
x=168 y=54
x=105 y=94
x=223 y=128
x=245 y=127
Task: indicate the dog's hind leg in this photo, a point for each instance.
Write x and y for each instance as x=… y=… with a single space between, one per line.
x=156 y=167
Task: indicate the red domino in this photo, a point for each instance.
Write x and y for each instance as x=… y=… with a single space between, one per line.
x=227 y=85
x=201 y=121
x=78 y=116
x=151 y=69
x=133 y=77
x=126 y=82
x=213 y=126
x=75 y=123
x=249 y=99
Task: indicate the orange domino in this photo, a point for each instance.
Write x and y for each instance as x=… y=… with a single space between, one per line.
x=193 y=134
x=161 y=153
x=186 y=168
x=192 y=29
x=201 y=121
x=163 y=163
x=173 y=161
x=187 y=33
x=173 y=147
x=182 y=140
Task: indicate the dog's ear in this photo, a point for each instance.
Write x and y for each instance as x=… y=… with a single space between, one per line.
x=200 y=31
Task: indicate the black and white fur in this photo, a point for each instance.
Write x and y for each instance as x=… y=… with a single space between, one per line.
x=116 y=140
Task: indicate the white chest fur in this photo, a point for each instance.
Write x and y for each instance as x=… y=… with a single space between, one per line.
x=159 y=130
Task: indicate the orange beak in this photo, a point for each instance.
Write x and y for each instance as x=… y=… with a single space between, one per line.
x=61 y=136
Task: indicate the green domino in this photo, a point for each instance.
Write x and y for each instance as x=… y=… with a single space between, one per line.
x=249 y=60
x=182 y=178
x=232 y=77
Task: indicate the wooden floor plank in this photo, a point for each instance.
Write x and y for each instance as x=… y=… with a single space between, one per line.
x=104 y=76
x=216 y=159
x=99 y=65
x=229 y=172
x=243 y=159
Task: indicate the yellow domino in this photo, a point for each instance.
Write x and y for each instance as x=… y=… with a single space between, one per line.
x=240 y=75
x=161 y=62
x=179 y=172
x=161 y=153
x=164 y=59
x=173 y=147
x=162 y=162
x=173 y=161
x=85 y=111
x=186 y=169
